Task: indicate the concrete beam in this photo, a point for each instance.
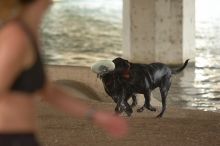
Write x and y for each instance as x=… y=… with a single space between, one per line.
x=159 y=30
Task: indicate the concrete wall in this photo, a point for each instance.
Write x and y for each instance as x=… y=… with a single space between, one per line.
x=159 y=30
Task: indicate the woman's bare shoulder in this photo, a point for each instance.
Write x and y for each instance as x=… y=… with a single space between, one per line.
x=14 y=42
x=12 y=36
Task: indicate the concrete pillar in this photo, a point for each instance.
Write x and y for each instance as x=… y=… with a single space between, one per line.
x=189 y=48
x=159 y=30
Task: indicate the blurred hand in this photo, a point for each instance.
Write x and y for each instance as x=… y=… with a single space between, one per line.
x=116 y=126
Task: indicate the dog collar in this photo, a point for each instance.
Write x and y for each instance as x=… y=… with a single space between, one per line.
x=126 y=72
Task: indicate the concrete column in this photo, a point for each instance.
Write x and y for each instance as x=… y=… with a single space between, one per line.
x=159 y=30
x=189 y=30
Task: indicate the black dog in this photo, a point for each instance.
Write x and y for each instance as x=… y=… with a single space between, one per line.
x=133 y=78
x=114 y=85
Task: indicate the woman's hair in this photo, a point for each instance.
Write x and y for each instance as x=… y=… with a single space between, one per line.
x=11 y=8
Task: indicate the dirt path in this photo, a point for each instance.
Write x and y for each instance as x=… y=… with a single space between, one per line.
x=179 y=127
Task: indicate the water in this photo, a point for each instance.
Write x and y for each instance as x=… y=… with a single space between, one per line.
x=207 y=70
x=78 y=26
x=80 y=32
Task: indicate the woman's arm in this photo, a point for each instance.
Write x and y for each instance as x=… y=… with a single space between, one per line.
x=66 y=102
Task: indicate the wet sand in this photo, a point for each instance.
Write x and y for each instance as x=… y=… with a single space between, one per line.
x=178 y=127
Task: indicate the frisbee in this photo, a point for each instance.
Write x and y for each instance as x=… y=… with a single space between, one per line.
x=103 y=66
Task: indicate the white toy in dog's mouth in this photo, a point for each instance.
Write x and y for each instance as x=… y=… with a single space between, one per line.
x=103 y=66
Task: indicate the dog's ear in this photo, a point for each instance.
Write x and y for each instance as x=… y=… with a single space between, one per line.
x=116 y=60
x=119 y=59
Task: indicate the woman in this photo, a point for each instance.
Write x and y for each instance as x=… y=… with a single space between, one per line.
x=23 y=78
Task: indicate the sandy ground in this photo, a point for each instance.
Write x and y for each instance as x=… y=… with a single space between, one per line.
x=178 y=127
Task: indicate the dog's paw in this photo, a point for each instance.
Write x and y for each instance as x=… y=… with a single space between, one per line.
x=140 y=110
x=151 y=108
x=159 y=116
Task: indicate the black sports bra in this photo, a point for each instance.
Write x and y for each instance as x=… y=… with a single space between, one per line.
x=33 y=78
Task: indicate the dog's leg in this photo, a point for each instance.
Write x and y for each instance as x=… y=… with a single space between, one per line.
x=163 y=96
x=128 y=110
x=147 y=101
x=124 y=106
x=164 y=92
x=124 y=103
x=134 y=100
x=118 y=109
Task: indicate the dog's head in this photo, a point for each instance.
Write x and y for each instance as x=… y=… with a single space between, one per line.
x=121 y=64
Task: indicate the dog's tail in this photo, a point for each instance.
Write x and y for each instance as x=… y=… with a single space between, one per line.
x=181 y=68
